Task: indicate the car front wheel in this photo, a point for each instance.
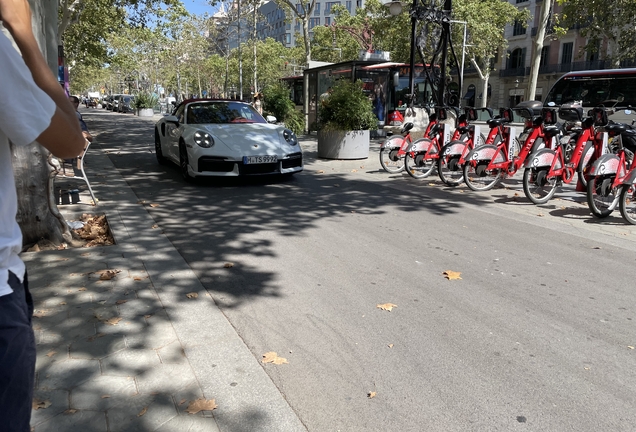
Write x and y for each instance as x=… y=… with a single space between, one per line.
x=183 y=163
x=158 y=152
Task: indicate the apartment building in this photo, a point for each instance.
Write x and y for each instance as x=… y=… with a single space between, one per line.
x=509 y=82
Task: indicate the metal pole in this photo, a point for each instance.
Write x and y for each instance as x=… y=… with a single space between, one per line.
x=446 y=36
x=412 y=60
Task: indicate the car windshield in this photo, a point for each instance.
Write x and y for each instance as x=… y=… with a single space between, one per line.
x=223 y=113
x=592 y=90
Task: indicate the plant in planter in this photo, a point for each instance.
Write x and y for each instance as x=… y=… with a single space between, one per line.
x=144 y=103
x=345 y=116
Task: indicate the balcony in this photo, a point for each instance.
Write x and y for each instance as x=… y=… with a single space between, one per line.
x=563 y=68
x=522 y=71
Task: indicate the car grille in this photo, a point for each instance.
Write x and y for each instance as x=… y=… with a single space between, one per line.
x=293 y=160
x=218 y=164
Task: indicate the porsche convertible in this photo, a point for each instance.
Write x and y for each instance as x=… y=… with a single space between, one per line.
x=208 y=137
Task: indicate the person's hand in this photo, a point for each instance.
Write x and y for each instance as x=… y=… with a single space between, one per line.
x=16 y=16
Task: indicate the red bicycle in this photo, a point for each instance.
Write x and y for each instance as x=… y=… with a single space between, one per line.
x=487 y=165
x=420 y=160
x=548 y=168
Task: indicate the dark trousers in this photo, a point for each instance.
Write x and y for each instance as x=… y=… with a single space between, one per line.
x=17 y=357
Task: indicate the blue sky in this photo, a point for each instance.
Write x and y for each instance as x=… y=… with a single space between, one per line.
x=199 y=7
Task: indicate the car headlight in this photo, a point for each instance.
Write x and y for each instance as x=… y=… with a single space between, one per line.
x=290 y=137
x=203 y=139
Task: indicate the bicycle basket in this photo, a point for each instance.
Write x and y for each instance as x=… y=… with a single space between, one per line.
x=506 y=114
x=471 y=114
x=600 y=117
x=442 y=114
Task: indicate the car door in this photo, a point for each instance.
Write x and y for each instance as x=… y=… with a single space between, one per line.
x=173 y=133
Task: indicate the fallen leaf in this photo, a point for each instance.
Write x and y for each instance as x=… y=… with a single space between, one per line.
x=516 y=194
x=106 y=396
x=272 y=357
x=540 y=214
x=142 y=412
x=34 y=248
x=201 y=405
x=147 y=316
x=192 y=295
x=40 y=313
x=51 y=353
x=371 y=395
x=40 y=404
x=62 y=303
x=141 y=202
x=386 y=306
x=228 y=265
x=630 y=347
x=390 y=345
x=154 y=205
x=155 y=226
x=95 y=336
x=182 y=401
x=107 y=274
x=82 y=289
x=119 y=302
x=431 y=184
x=113 y=321
x=70 y=411
x=320 y=171
x=354 y=170
x=85 y=254
x=452 y=275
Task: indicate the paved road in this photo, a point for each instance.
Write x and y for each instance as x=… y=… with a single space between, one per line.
x=537 y=335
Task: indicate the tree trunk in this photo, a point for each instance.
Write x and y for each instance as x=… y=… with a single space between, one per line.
x=537 y=47
x=307 y=60
x=240 y=55
x=254 y=51
x=484 y=90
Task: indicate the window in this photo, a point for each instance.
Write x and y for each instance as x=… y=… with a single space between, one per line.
x=288 y=38
x=299 y=8
x=348 y=5
x=313 y=22
x=518 y=29
x=329 y=5
x=288 y=26
x=327 y=21
x=566 y=52
x=317 y=10
x=517 y=59
x=545 y=56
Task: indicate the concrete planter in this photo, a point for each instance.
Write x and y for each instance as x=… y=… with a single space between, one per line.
x=343 y=145
x=145 y=112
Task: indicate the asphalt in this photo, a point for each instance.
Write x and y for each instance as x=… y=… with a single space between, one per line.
x=133 y=353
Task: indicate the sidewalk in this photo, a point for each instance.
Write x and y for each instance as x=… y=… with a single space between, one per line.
x=121 y=345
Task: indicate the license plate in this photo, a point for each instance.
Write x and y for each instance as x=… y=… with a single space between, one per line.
x=248 y=160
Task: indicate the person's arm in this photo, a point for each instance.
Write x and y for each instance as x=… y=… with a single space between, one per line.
x=63 y=137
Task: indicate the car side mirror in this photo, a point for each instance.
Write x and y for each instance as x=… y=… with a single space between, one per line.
x=271 y=119
x=172 y=119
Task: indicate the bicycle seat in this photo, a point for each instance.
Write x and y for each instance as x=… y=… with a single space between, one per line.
x=550 y=131
x=496 y=122
x=617 y=128
x=407 y=127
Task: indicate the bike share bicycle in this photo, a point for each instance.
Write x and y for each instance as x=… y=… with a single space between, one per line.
x=612 y=176
x=487 y=165
x=548 y=168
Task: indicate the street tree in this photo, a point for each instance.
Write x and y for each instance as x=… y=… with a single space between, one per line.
x=537 y=46
x=486 y=21
x=612 y=21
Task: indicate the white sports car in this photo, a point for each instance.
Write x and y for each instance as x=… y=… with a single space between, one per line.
x=208 y=137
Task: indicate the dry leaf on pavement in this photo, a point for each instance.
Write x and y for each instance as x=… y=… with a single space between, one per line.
x=51 y=353
x=192 y=295
x=228 y=265
x=113 y=321
x=154 y=205
x=452 y=275
x=354 y=170
x=155 y=226
x=106 y=274
x=386 y=306
x=40 y=404
x=82 y=289
x=119 y=302
x=70 y=411
x=39 y=313
x=320 y=171
x=390 y=345
x=272 y=357
x=142 y=412
x=201 y=405
x=371 y=395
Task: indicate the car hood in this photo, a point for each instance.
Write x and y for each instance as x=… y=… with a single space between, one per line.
x=240 y=137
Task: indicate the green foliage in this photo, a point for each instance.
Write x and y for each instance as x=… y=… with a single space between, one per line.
x=347 y=108
x=145 y=100
x=598 y=20
x=276 y=102
x=295 y=120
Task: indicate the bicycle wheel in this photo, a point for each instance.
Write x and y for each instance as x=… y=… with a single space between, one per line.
x=478 y=178
x=390 y=160
x=448 y=168
x=600 y=195
x=628 y=203
x=537 y=186
x=417 y=166
x=586 y=162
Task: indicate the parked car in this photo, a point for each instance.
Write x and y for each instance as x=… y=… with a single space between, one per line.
x=208 y=137
x=125 y=104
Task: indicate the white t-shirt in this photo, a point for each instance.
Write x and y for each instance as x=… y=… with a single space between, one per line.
x=25 y=112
